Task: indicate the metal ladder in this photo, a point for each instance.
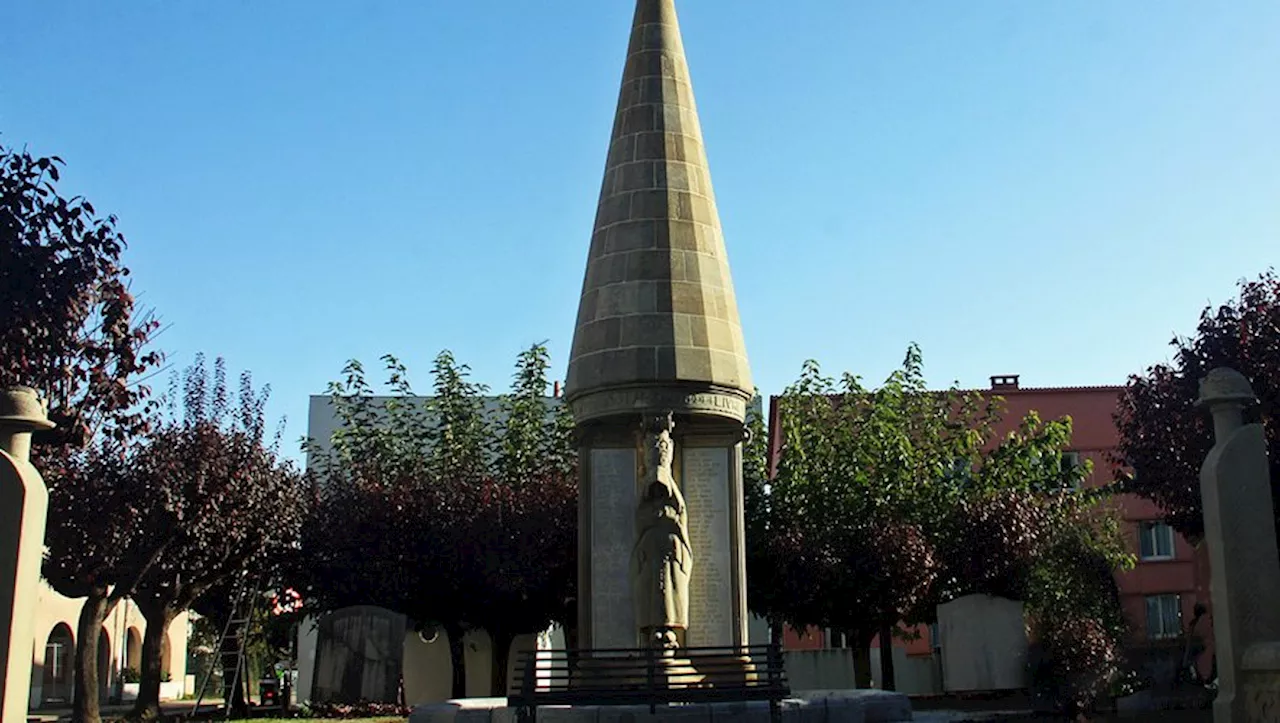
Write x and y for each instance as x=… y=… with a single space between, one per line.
x=244 y=605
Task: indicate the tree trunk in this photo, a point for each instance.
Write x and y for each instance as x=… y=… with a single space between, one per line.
x=502 y=641
x=887 y=678
x=571 y=644
x=861 y=645
x=458 y=658
x=776 y=631
x=147 y=707
x=85 y=705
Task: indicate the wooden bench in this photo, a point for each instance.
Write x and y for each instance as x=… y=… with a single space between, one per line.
x=645 y=677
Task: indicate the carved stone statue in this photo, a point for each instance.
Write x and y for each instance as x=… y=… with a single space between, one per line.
x=662 y=559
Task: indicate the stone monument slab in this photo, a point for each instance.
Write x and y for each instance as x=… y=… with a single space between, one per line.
x=705 y=472
x=1239 y=524
x=612 y=535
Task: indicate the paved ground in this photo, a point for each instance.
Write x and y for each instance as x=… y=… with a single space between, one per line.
x=1005 y=710
x=177 y=707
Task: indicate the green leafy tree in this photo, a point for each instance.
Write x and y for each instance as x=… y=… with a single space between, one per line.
x=888 y=502
x=479 y=507
x=526 y=526
x=857 y=486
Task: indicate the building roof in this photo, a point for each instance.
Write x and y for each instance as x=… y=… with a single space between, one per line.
x=657 y=304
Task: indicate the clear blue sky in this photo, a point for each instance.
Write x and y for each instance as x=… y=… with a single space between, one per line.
x=1051 y=189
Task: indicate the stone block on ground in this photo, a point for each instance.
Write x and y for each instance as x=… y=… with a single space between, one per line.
x=465 y=710
x=641 y=714
x=859 y=706
x=756 y=711
x=797 y=710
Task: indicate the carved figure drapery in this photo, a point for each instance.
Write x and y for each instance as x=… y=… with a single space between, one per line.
x=662 y=559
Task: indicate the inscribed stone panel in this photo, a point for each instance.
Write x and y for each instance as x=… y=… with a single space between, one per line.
x=613 y=507
x=706 y=492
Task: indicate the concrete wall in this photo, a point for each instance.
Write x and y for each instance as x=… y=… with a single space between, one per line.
x=56 y=617
x=757 y=630
x=833 y=669
x=819 y=669
x=913 y=674
x=984 y=644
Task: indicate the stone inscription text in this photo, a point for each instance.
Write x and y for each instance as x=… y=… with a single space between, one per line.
x=613 y=509
x=639 y=400
x=706 y=492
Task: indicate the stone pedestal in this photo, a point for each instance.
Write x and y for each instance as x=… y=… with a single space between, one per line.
x=1259 y=684
x=1241 y=536
x=24 y=501
x=668 y=672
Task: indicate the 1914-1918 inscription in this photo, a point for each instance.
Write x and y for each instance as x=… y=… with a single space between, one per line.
x=730 y=404
x=706 y=492
x=613 y=505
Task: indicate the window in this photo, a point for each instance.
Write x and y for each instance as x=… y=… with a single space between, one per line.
x=1155 y=541
x=1069 y=462
x=961 y=472
x=1164 y=616
x=835 y=640
x=935 y=640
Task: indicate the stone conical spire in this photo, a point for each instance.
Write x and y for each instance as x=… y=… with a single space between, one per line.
x=658 y=310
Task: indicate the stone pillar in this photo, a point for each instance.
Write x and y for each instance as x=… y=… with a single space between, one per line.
x=708 y=470
x=24 y=502
x=1240 y=532
x=658 y=333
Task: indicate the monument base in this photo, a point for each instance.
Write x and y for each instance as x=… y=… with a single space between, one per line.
x=615 y=671
x=830 y=706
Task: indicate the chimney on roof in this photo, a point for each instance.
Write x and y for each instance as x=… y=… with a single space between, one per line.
x=1004 y=382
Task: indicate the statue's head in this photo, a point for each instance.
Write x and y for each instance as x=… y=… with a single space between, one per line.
x=657 y=431
x=664 y=448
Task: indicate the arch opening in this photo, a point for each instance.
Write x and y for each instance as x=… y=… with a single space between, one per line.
x=105 y=672
x=133 y=651
x=59 y=657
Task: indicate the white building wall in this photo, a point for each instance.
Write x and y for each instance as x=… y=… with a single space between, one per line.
x=50 y=681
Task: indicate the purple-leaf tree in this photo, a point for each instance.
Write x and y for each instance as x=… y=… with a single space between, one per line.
x=227 y=497
x=1164 y=438
x=70 y=328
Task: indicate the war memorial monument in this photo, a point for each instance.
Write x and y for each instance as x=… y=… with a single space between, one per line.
x=659 y=386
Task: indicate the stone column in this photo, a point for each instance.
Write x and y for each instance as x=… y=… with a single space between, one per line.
x=23 y=504
x=1240 y=532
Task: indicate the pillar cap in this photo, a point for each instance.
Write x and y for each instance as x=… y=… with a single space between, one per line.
x=1224 y=385
x=21 y=407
